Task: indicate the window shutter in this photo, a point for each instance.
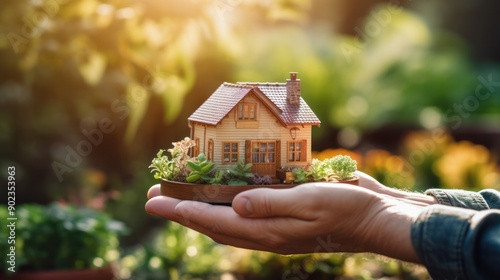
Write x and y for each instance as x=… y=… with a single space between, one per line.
x=248 y=151
x=304 y=150
x=278 y=154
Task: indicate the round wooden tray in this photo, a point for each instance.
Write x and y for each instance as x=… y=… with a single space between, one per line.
x=218 y=194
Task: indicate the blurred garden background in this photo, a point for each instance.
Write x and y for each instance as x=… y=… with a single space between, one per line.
x=90 y=90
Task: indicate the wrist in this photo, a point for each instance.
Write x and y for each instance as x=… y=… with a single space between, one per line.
x=391 y=229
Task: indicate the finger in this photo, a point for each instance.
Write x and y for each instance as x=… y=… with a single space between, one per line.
x=163 y=206
x=154 y=191
x=265 y=202
x=225 y=226
x=246 y=241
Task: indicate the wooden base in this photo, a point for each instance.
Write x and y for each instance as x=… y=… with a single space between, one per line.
x=217 y=194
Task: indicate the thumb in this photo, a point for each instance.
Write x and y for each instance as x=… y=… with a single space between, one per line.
x=265 y=202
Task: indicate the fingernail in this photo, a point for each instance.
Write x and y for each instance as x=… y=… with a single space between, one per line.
x=248 y=205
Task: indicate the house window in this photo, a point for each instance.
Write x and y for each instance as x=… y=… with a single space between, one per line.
x=247 y=111
x=210 y=155
x=230 y=152
x=263 y=152
x=296 y=151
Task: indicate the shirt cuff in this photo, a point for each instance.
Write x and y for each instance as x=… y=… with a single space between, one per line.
x=456 y=243
x=438 y=237
x=459 y=198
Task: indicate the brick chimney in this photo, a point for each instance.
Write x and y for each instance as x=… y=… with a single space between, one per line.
x=293 y=89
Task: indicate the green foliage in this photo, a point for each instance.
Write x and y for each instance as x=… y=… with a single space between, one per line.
x=301 y=175
x=163 y=167
x=64 y=237
x=218 y=178
x=342 y=167
x=240 y=173
x=181 y=167
x=333 y=169
x=176 y=167
x=4 y=241
x=318 y=170
x=201 y=169
x=174 y=252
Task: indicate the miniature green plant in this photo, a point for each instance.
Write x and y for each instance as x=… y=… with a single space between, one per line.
x=201 y=170
x=181 y=167
x=176 y=167
x=342 y=167
x=218 y=178
x=301 y=175
x=318 y=171
x=334 y=169
x=163 y=167
x=240 y=173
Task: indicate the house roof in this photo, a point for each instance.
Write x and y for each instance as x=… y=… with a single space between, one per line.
x=228 y=95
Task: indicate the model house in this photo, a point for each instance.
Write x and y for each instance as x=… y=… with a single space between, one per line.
x=267 y=124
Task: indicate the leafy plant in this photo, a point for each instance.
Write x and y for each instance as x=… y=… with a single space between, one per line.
x=201 y=170
x=163 y=167
x=175 y=168
x=301 y=175
x=318 y=171
x=64 y=237
x=341 y=167
x=333 y=169
x=240 y=174
x=176 y=252
x=218 y=177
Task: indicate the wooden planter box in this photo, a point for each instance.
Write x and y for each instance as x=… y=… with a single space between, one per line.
x=217 y=194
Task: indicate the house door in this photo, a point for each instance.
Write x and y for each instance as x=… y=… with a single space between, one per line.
x=262 y=154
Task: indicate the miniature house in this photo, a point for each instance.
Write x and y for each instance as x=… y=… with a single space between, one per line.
x=267 y=124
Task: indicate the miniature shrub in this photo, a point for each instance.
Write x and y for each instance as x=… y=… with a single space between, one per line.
x=261 y=179
x=218 y=178
x=176 y=167
x=182 y=167
x=240 y=174
x=342 y=167
x=201 y=170
x=302 y=175
x=334 y=169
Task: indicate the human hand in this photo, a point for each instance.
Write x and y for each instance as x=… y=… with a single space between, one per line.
x=314 y=217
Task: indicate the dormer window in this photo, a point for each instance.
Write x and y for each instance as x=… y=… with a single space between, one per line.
x=247 y=111
x=247 y=115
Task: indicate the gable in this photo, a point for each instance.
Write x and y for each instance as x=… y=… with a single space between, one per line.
x=272 y=95
x=291 y=114
x=219 y=104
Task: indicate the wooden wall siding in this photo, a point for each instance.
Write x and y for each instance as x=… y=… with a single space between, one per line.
x=304 y=133
x=269 y=128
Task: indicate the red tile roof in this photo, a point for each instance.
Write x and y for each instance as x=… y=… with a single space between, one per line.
x=228 y=95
